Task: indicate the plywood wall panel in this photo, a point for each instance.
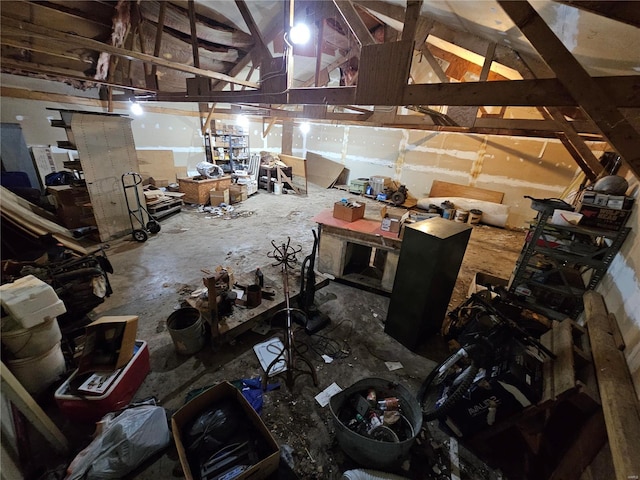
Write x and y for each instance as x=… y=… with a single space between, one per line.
x=107 y=151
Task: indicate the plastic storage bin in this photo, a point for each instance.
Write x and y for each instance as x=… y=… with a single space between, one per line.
x=90 y=408
x=29 y=300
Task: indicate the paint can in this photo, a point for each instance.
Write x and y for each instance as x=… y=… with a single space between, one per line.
x=474 y=216
x=448 y=210
x=461 y=216
x=187 y=330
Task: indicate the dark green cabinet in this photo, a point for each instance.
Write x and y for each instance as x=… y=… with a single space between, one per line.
x=430 y=259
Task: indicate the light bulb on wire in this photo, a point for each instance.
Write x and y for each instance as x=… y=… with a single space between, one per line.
x=299 y=34
x=136 y=108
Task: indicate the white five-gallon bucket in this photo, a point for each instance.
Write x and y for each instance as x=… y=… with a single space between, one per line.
x=277 y=188
x=38 y=372
x=33 y=341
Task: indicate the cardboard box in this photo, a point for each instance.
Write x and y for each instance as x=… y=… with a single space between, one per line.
x=237 y=193
x=216 y=197
x=109 y=344
x=392 y=219
x=603 y=217
x=268 y=462
x=348 y=212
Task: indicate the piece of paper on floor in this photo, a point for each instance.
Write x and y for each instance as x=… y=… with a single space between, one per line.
x=327 y=359
x=324 y=396
x=393 y=366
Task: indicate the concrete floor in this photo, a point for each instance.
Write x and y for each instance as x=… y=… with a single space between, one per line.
x=153 y=279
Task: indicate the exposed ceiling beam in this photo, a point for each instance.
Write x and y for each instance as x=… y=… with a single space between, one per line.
x=593 y=99
x=626 y=12
x=489 y=126
x=354 y=22
x=194 y=34
x=8 y=64
x=411 y=19
x=524 y=93
x=26 y=28
x=253 y=28
x=158 y=42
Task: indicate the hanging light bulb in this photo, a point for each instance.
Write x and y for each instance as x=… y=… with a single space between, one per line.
x=305 y=127
x=136 y=108
x=299 y=34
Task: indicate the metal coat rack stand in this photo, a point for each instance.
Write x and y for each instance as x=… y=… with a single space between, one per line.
x=285 y=256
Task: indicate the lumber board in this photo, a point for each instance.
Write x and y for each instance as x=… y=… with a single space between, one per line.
x=619 y=401
x=616 y=333
x=157 y=164
x=564 y=365
x=298 y=169
x=446 y=189
x=17 y=394
x=383 y=72
x=322 y=171
x=13 y=208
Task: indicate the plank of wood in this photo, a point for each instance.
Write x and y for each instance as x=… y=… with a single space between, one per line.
x=354 y=22
x=383 y=73
x=446 y=189
x=547 y=367
x=10 y=470
x=16 y=393
x=322 y=171
x=564 y=365
x=616 y=333
x=619 y=401
x=298 y=168
x=158 y=164
x=12 y=208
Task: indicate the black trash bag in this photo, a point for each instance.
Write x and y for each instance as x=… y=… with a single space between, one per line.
x=59 y=178
x=213 y=428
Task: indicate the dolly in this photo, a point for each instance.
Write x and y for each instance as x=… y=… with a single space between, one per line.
x=132 y=180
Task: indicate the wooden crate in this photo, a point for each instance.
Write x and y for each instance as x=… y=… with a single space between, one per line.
x=197 y=191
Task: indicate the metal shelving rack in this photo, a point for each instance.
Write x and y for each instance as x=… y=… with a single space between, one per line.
x=558 y=264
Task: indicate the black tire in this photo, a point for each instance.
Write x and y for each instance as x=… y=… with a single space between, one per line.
x=140 y=236
x=153 y=226
x=398 y=198
x=453 y=382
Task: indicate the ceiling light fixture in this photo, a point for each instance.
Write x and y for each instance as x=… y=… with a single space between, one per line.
x=136 y=108
x=305 y=127
x=299 y=34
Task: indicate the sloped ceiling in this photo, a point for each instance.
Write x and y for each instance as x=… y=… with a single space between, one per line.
x=453 y=64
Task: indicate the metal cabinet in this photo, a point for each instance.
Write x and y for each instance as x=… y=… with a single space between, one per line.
x=559 y=263
x=430 y=259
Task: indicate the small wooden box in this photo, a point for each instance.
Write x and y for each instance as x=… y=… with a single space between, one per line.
x=197 y=191
x=348 y=214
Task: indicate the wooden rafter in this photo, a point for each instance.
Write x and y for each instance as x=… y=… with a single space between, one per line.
x=594 y=100
x=28 y=29
x=412 y=15
x=194 y=34
x=354 y=22
x=253 y=28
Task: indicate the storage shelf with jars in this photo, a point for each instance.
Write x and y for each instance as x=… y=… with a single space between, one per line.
x=558 y=263
x=227 y=146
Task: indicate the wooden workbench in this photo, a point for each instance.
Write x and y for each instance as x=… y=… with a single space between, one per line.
x=346 y=249
x=243 y=319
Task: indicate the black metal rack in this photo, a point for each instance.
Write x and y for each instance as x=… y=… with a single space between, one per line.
x=559 y=263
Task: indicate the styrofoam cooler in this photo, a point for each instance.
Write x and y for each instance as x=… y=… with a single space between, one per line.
x=91 y=408
x=30 y=301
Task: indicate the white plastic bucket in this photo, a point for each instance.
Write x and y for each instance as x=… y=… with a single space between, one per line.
x=38 y=372
x=277 y=188
x=30 y=342
x=461 y=216
x=187 y=330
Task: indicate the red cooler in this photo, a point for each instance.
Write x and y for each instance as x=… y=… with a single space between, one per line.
x=74 y=397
